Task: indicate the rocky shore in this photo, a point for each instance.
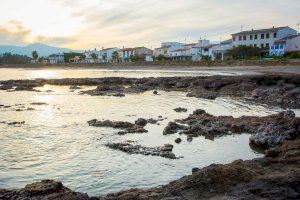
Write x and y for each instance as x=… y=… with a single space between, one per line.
x=276 y=176
x=276 y=90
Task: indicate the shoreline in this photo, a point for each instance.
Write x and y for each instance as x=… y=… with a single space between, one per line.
x=278 y=171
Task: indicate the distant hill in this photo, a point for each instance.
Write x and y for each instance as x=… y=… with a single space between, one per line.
x=42 y=49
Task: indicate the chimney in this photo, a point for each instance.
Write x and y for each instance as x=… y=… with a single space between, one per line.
x=95 y=49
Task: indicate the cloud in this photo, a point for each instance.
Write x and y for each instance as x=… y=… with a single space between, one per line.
x=13 y=33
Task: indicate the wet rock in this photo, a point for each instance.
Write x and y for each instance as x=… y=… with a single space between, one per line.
x=207 y=95
x=155 y=92
x=179 y=110
x=106 y=90
x=16 y=123
x=128 y=147
x=129 y=127
x=6 y=87
x=38 y=104
x=178 y=140
x=268 y=131
x=141 y=122
x=152 y=121
x=46 y=189
x=74 y=87
x=172 y=128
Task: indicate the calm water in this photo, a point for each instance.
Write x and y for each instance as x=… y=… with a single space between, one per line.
x=6 y=74
x=57 y=143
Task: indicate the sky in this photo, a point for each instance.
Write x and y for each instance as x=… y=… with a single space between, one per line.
x=88 y=24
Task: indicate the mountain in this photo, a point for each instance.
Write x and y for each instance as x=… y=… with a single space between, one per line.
x=42 y=49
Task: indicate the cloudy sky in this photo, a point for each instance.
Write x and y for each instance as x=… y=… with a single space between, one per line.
x=86 y=24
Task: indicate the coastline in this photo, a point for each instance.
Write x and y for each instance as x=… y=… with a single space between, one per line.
x=252 y=179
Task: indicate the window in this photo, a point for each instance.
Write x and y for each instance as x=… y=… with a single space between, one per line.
x=275 y=35
x=251 y=37
x=267 y=45
x=233 y=38
x=261 y=45
x=255 y=45
x=268 y=35
x=262 y=36
x=244 y=37
x=281 y=47
x=240 y=38
x=251 y=45
x=255 y=37
x=233 y=46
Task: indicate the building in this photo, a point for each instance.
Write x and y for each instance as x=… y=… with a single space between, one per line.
x=106 y=55
x=161 y=51
x=289 y=44
x=88 y=58
x=139 y=53
x=263 y=38
x=56 y=58
x=76 y=59
x=220 y=51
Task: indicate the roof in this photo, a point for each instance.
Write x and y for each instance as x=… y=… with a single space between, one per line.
x=274 y=29
x=192 y=44
x=163 y=47
x=108 y=49
x=178 y=50
x=287 y=38
x=209 y=46
x=131 y=49
x=227 y=41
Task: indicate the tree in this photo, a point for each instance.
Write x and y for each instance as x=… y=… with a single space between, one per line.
x=94 y=56
x=68 y=56
x=244 y=52
x=8 y=58
x=115 y=56
x=35 y=55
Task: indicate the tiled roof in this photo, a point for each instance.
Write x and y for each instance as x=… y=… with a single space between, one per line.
x=179 y=50
x=227 y=41
x=275 y=29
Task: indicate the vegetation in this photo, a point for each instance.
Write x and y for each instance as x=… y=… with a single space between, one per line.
x=35 y=55
x=8 y=58
x=68 y=56
x=161 y=58
x=292 y=55
x=94 y=56
x=244 y=52
x=115 y=56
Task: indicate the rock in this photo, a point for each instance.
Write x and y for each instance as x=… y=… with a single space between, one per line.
x=38 y=103
x=172 y=128
x=141 y=122
x=46 y=189
x=199 y=112
x=179 y=110
x=178 y=140
x=164 y=151
x=127 y=126
x=74 y=87
x=16 y=123
x=155 y=92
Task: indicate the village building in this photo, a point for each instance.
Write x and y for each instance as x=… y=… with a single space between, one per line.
x=76 y=59
x=106 y=55
x=262 y=38
x=220 y=51
x=56 y=58
x=289 y=44
x=126 y=54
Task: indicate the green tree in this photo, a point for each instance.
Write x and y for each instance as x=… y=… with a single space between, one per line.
x=68 y=56
x=35 y=55
x=94 y=56
x=244 y=52
x=115 y=56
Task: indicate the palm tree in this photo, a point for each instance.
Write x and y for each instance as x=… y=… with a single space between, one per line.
x=94 y=56
x=35 y=55
x=115 y=56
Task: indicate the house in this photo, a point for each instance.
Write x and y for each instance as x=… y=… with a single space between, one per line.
x=76 y=59
x=262 y=38
x=289 y=44
x=219 y=51
x=56 y=58
x=126 y=54
x=161 y=51
x=106 y=55
x=207 y=51
x=88 y=56
x=181 y=54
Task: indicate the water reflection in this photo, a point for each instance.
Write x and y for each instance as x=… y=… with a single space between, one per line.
x=56 y=142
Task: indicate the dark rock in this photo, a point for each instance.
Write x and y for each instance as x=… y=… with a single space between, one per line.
x=75 y=87
x=155 y=92
x=172 y=128
x=178 y=140
x=180 y=110
x=129 y=127
x=141 y=122
x=164 y=151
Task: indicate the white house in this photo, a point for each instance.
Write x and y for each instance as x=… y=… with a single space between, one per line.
x=263 y=38
x=219 y=51
x=88 y=56
x=56 y=58
x=141 y=52
x=289 y=44
x=106 y=55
